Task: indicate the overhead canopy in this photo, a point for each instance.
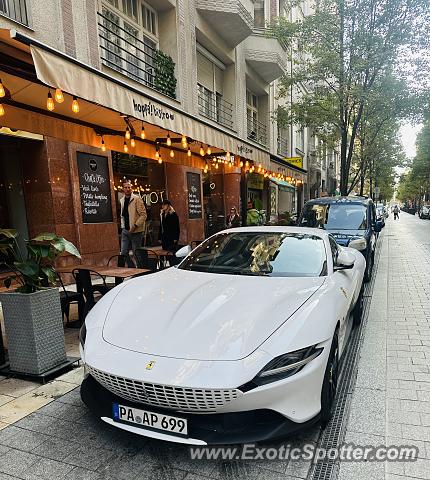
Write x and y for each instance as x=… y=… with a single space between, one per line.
x=283 y=185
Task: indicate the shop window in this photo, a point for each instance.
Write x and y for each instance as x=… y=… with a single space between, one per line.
x=16 y=10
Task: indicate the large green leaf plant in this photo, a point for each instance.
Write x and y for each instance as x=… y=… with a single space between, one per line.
x=33 y=270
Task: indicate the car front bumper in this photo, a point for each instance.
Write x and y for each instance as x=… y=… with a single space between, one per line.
x=203 y=429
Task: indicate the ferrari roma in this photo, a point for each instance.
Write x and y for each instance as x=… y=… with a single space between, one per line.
x=239 y=342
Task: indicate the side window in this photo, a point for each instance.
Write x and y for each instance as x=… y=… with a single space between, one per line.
x=334 y=249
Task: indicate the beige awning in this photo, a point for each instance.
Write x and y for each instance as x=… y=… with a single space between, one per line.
x=77 y=79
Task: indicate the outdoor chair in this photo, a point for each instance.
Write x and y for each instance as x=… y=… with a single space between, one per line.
x=147 y=259
x=67 y=297
x=84 y=285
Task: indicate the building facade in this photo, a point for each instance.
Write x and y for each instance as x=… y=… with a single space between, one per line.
x=177 y=95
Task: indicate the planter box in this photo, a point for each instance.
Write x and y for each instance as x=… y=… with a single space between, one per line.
x=34 y=330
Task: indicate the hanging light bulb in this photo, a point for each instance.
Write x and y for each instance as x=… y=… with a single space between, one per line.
x=2 y=112
x=103 y=147
x=157 y=152
x=75 y=105
x=208 y=151
x=50 y=102
x=202 y=152
x=2 y=92
x=241 y=164
x=142 y=133
x=127 y=133
x=172 y=153
x=168 y=141
x=184 y=141
x=59 y=97
x=160 y=160
x=216 y=166
x=189 y=152
x=133 y=143
x=125 y=147
x=228 y=155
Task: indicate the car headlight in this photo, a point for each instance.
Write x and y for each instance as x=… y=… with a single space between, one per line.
x=82 y=335
x=358 y=244
x=283 y=366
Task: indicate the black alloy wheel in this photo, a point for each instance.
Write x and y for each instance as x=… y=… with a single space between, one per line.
x=331 y=377
x=357 y=311
x=369 y=267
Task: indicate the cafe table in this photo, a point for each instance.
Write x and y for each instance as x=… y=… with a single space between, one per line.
x=160 y=253
x=106 y=271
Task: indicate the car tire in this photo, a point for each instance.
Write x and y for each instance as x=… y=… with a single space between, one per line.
x=369 y=268
x=331 y=377
x=357 y=311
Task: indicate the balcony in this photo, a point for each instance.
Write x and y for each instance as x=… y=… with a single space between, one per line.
x=265 y=55
x=214 y=107
x=140 y=60
x=257 y=131
x=231 y=19
x=15 y=10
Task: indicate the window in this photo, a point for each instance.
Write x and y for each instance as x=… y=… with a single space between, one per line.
x=149 y=21
x=259 y=17
x=269 y=254
x=130 y=8
x=16 y=10
x=300 y=139
x=252 y=114
x=335 y=216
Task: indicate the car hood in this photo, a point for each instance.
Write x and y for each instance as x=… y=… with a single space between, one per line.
x=202 y=316
x=343 y=237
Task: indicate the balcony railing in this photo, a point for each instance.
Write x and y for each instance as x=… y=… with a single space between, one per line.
x=257 y=131
x=283 y=147
x=213 y=106
x=123 y=51
x=16 y=10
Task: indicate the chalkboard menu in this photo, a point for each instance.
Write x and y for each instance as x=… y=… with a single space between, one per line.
x=94 y=186
x=194 y=195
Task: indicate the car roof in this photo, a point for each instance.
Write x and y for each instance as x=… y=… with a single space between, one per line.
x=319 y=232
x=347 y=199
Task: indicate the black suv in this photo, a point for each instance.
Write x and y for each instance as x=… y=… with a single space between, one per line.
x=350 y=220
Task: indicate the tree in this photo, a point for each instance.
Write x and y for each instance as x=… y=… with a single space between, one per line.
x=341 y=52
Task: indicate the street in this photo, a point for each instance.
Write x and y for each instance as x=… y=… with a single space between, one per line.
x=386 y=402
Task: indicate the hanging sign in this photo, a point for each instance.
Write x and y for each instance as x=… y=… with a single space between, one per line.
x=195 y=208
x=94 y=185
x=296 y=161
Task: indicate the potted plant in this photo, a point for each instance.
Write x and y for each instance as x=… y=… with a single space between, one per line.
x=32 y=309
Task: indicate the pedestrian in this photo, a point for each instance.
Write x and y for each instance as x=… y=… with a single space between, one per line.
x=133 y=218
x=233 y=220
x=396 y=212
x=169 y=226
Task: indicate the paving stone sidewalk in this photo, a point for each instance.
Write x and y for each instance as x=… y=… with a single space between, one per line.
x=391 y=401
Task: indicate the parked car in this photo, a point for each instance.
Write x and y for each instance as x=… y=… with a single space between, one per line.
x=380 y=214
x=351 y=220
x=424 y=212
x=240 y=342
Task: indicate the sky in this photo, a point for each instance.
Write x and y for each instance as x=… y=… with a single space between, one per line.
x=408 y=133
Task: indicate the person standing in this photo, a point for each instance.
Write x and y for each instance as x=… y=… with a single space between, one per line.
x=169 y=226
x=233 y=220
x=133 y=218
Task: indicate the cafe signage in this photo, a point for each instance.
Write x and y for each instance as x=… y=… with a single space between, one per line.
x=194 y=195
x=94 y=185
x=296 y=161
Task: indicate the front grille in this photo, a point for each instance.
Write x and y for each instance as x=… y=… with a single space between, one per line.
x=167 y=396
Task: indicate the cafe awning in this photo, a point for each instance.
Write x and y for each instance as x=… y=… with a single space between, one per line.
x=283 y=185
x=106 y=93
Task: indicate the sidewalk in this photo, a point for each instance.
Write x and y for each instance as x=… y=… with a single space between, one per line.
x=391 y=400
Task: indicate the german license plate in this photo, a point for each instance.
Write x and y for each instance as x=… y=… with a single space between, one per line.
x=150 y=420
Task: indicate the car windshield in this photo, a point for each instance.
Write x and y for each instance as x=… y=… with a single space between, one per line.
x=273 y=254
x=335 y=216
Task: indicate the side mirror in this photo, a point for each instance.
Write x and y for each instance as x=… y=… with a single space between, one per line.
x=183 y=252
x=378 y=226
x=345 y=260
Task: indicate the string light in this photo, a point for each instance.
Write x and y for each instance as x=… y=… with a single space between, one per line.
x=228 y=155
x=2 y=91
x=127 y=133
x=103 y=147
x=133 y=143
x=125 y=147
x=172 y=154
x=208 y=151
x=202 y=152
x=75 y=105
x=2 y=112
x=160 y=160
x=157 y=152
x=50 y=102
x=168 y=141
x=59 y=97
x=216 y=166
x=184 y=141
x=142 y=133
x=189 y=152
x=241 y=164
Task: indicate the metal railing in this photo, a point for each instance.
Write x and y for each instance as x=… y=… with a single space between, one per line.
x=16 y=10
x=212 y=105
x=257 y=131
x=282 y=147
x=121 y=50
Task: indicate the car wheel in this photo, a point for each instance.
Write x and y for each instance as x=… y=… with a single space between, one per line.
x=369 y=268
x=329 y=387
x=357 y=311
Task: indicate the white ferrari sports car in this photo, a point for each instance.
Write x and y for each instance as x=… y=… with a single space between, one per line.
x=240 y=342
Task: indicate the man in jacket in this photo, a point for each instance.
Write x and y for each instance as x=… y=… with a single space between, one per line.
x=133 y=218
